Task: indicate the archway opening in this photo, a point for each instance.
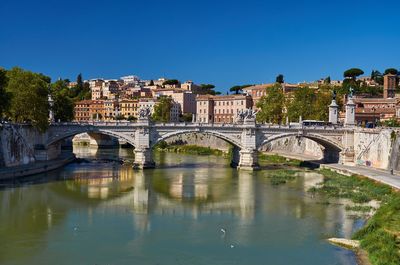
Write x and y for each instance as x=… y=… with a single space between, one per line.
x=303 y=147
x=199 y=143
x=88 y=146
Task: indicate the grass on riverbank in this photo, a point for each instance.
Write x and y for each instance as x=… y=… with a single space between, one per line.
x=380 y=237
x=276 y=159
x=190 y=149
x=281 y=176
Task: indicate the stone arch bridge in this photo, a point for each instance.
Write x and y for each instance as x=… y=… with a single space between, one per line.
x=246 y=138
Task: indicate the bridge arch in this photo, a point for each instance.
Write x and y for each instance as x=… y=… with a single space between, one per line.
x=331 y=149
x=118 y=135
x=230 y=140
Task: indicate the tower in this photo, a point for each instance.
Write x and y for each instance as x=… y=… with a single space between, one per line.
x=389 y=86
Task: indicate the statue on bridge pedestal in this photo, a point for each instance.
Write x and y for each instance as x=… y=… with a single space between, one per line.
x=144 y=113
x=246 y=115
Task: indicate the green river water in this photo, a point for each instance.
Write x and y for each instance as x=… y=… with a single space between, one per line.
x=107 y=213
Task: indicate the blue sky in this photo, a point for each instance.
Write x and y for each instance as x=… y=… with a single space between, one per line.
x=220 y=42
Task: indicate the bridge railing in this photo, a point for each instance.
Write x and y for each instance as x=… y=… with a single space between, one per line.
x=196 y=125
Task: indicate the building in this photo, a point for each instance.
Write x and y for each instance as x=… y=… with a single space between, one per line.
x=186 y=100
x=375 y=109
x=111 y=109
x=389 y=86
x=129 y=108
x=256 y=92
x=81 y=110
x=97 y=92
x=96 y=110
x=110 y=89
x=227 y=107
x=147 y=103
x=204 y=109
x=221 y=109
x=130 y=79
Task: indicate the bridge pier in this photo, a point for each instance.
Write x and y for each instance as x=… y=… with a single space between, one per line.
x=143 y=159
x=248 y=160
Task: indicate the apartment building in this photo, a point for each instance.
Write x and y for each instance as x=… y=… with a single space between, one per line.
x=129 y=107
x=81 y=110
x=221 y=109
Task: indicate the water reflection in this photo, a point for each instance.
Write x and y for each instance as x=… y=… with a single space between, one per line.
x=180 y=206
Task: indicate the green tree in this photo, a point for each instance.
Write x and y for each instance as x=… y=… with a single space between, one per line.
x=120 y=117
x=238 y=89
x=280 y=79
x=392 y=71
x=186 y=117
x=327 y=80
x=272 y=105
x=322 y=100
x=29 y=101
x=171 y=82
x=162 y=110
x=353 y=73
x=63 y=107
x=208 y=89
x=79 y=82
x=151 y=83
x=131 y=118
x=5 y=97
x=302 y=104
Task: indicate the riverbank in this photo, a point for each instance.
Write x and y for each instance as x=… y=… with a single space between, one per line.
x=380 y=237
x=13 y=173
x=190 y=149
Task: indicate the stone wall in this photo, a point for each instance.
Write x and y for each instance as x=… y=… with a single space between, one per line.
x=296 y=146
x=373 y=148
x=16 y=145
x=200 y=139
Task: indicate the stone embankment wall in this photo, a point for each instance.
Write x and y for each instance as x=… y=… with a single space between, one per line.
x=377 y=148
x=296 y=146
x=200 y=139
x=16 y=145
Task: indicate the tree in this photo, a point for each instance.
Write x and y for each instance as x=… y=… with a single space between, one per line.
x=63 y=107
x=171 y=82
x=327 y=80
x=280 y=79
x=120 y=117
x=132 y=118
x=162 y=110
x=272 y=105
x=186 y=117
x=79 y=82
x=5 y=97
x=302 y=104
x=353 y=73
x=322 y=100
x=29 y=102
x=391 y=71
x=208 y=89
x=238 y=89
x=151 y=83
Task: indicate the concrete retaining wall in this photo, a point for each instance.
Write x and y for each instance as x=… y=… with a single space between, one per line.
x=200 y=139
x=373 y=148
x=294 y=145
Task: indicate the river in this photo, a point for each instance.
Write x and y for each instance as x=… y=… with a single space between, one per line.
x=189 y=210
